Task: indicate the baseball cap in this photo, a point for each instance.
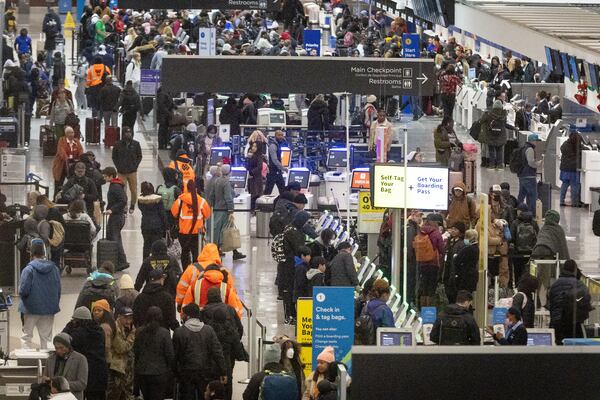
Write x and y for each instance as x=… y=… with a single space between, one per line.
x=533 y=137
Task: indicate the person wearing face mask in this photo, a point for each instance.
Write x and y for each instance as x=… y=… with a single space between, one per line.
x=516 y=333
x=204 y=144
x=290 y=360
x=456 y=326
x=466 y=263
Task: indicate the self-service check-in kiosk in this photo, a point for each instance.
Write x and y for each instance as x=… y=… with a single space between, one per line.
x=302 y=176
x=218 y=154
x=238 y=179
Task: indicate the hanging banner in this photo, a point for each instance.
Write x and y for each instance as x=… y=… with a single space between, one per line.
x=333 y=322
x=411 y=45
x=312 y=42
x=149 y=82
x=304 y=310
x=207 y=41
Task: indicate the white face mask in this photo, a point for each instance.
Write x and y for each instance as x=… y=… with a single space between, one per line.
x=290 y=353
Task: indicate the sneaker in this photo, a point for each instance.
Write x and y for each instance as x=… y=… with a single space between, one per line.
x=238 y=256
x=131 y=210
x=279 y=297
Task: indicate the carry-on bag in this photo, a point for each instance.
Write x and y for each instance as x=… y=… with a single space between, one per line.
x=92 y=130
x=231 y=239
x=470 y=177
x=107 y=250
x=545 y=196
x=112 y=135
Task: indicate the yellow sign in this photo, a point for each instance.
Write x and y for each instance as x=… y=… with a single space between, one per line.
x=304 y=332
x=365 y=205
x=369 y=217
x=69 y=22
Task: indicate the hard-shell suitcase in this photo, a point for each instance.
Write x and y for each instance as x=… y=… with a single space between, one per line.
x=92 y=130
x=112 y=135
x=45 y=132
x=470 y=178
x=545 y=195
x=107 y=250
x=49 y=146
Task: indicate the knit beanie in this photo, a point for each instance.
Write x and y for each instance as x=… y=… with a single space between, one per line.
x=103 y=304
x=62 y=338
x=125 y=282
x=552 y=217
x=301 y=219
x=82 y=313
x=159 y=247
x=327 y=355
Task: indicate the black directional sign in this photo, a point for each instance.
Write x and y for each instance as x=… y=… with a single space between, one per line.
x=298 y=75
x=269 y=5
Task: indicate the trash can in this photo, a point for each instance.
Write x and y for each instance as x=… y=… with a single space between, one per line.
x=264 y=210
x=595 y=205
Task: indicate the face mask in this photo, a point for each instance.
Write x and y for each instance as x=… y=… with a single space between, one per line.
x=290 y=353
x=467 y=242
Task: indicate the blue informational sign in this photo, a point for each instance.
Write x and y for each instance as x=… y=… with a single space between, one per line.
x=64 y=6
x=428 y=314
x=333 y=322
x=312 y=42
x=80 y=9
x=149 y=82
x=499 y=315
x=411 y=45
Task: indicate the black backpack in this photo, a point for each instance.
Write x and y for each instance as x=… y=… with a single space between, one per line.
x=517 y=160
x=475 y=130
x=497 y=128
x=526 y=238
x=279 y=220
x=364 y=327
x=453 y=331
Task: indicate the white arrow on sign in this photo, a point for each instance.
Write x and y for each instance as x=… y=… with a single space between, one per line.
x=423 y=78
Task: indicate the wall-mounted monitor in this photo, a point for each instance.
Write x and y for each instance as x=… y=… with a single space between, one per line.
x=564 y=58
x=593 y=76
x=549 y=60
x=574 y=67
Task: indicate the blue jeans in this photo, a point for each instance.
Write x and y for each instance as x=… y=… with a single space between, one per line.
x=496 y=156
x=570 y=178
x=528 y=192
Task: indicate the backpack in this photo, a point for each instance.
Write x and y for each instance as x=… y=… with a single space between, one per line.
x=364 y=327
x=526 y=238
x=278 y=386
x=167 y=195
x=424 y=250
x=497 y=128
x=57 y=233
x=277 y=251
x=475 y=130
x=91 y=29
x=72 y=193
x=453 y=331
x=517 y=160
x=279 y=220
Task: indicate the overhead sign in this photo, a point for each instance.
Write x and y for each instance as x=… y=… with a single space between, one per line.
x=312 y=42
x=411 y=45
x=369 y=217
x=149 y=82
x=333 y=322
x=268 y=5
x=304 y=327
x=427 y=188
x=207 y=41
x=223 y=74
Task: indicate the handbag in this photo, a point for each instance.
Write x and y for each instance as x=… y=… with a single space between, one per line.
x=231 y=238
x=173 y=247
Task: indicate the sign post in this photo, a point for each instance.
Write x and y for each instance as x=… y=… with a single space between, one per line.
x=369 y=221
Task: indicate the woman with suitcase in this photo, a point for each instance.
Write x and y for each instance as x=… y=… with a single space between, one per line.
x=59 y=111
x=68 y=150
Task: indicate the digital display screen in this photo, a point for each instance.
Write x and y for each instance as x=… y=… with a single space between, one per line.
x=360 y=157
x=439 y=12
x=286 y=157
x=302 y=176
x=549 y=58
x=395 y=154
x=360 y=180
x=395 y=339
x=565 y=65
x=593 y=77
x=557 y=61
x=574 y=68
x=217 y=154
x=277 y=118
x=237 y=178
x=539 y=339
x=336 y=158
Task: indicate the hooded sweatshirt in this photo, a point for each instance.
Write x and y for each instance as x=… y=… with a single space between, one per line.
x=462 y=209
x=182 y=209
x=197 y=348
x=155 y=294
x=98 y=286
x=40 y=288
x=315 y=278
x=214 y=278
x=159 y=259
x=552 y=236
x=208 y=256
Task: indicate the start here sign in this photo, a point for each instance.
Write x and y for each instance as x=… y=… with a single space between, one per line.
x=426 y=188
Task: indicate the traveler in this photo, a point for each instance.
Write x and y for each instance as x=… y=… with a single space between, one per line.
x=523 y=299
x=369 y=112
x=498 y=251
x=169 y=192
x=215 y=304
x=498 y=209
x=456 y=326
x=159 y=258
x=363 y=297
x=60 y=389
x=508 y=197
x=88 y=339
x=341 y=270
x=60 y=109
x=441 y=140
x=191 y=210
x=58 y=70
x=283 y=214
x=23 y=42
x=493 y=133
x=222 y=203
x=116 y=206
x=154 y=355
x=555 y=110
x=327 y=390
x=381 y=122
x=154 y=294
x=89 y=192
x=377 y=308
x=315 y=276
x=40 y=291
x=276 y=169
x=93 y=172
x=102 y=314
x=154 y=217
x=214 y=391
x=454 y=244
x=429 y=246
x=324 y=360
x=516 y=332
x=77 y=213
x=249 y=113
x=108 y=102
x=570 y=164
x=569 y=303
x=318 y=114
x=130 y=105
x=253 y=390
x=197 y=349
x=121 y=364
x=300 y=270
x=523 y=231
x=68 y=150
x=52 y=28
x=323 y=245
x=466 y=264
x=164 y=107
x=290 y=360
x=68 y=363
x=209 y=256
x=551 y=239
x=527 y=173
x=96 y=75
x=127 y=293
x=256 y=164
x=461 y=208
x=99 y=285
x=541 y=106
x=183 y=164
x=449 y=83
x=186 y=141
x=231 y=115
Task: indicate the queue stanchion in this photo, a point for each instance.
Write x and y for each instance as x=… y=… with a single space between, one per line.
x=254 y=302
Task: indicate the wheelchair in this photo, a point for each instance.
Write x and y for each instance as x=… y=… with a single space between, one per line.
x=77 y=251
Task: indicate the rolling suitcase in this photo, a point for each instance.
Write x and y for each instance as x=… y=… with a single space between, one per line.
x=45 y=131
x=107 y=250
x=470 y=176
x=49 y=146
x=112 y=135
x=92 y=130
x=545 y=195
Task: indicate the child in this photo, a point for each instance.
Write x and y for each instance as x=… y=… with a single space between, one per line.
x=316 y=274
x=300 y=280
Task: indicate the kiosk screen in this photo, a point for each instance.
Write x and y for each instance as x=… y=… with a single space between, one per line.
x=217 y=154
x=540 y=339
x=238 y=178
x=336 y=158
x=360 y=180
x=301 y=176
x=286 y=157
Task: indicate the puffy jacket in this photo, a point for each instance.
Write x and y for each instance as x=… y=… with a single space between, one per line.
x=570 y=156
x=318 y=116
x=130 y=102
x=183 y=211
x=466 y=264
x=87 y=338
x=98 y=286
x=127 y=156
x=95 y=74
x=562 y=314
x=213 y=278
x=154 y=218
x=197 y=348
x=108 y=98
x=116 y=198
x=183 y=164
x=154 y=294
x=40 y=288
x=153 y=353
x=208 y=256
x=342 y=270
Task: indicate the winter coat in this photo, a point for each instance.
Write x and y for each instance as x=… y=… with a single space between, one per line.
x=75 y=371
x=466 y=266
x=318 y=249
x=453 y=247
x=293 y=240
x=522 y=218
x=153 y=353
x=127 y=156
x=485 y=135
x=473 y=336
x=98 y=286
x=561 y=312
x=380 y=313
x=129 y=102
x=318 y=116
x=121 y=351
x=315 y=278
x=208 y=256
x=108 y=98
x=164 y=106
x=87 y=338
x=223 y=279
x=90 y=191
x=221 y=196
x=168 y=264
x=154 y=218
x=154 y=294
x=443 y=146
x=116 y=198
x=300 y=280
x=40 y=288
x=59 y=164
x=551 y=240
x=342 y=271
x=462 y=209
x=570 y=156
x=197 y=348
x=215 y=305
x=255 y=178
